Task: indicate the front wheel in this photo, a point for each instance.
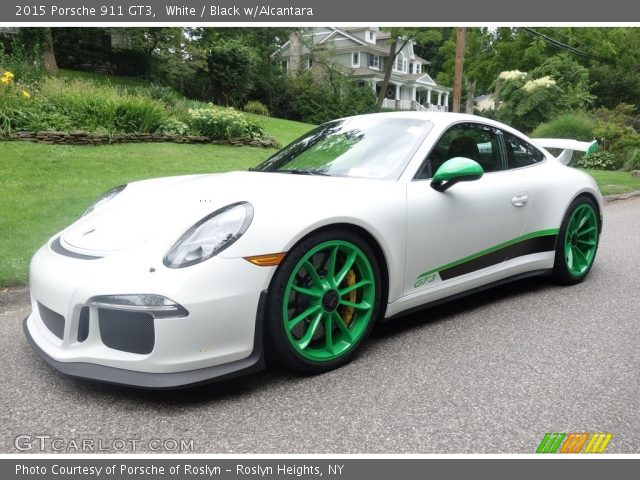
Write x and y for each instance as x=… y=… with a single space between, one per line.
x=577 y=242
x=323 y=301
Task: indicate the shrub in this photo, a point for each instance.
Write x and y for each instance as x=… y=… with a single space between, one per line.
x=559 y=85
x=165 y=94
x=317 y=101
x=101 y=108
x=224 y=124
x=257 y=107
x=24 y=66
x=633 y=161
x=173 y=126
x=16 y=104
x=577 y=126
x=597 y=161
x=623 y=115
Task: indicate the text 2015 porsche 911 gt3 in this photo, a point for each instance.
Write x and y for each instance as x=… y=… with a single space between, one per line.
x=177 y=281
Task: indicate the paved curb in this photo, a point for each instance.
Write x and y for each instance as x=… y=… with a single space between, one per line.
x=622 y=196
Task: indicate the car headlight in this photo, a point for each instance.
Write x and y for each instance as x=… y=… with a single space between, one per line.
x=210 y=236
x=104 y=198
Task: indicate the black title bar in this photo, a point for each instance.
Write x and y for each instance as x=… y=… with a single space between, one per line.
x=315 y=11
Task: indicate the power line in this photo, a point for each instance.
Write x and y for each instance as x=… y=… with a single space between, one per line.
x=564 y=46
x=576 y=41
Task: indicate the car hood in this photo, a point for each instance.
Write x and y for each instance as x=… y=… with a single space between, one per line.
x=159 y=211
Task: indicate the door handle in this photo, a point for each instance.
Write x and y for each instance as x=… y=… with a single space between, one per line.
x=520 y=199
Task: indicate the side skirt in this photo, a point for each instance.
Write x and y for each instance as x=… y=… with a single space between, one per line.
x=534 y=273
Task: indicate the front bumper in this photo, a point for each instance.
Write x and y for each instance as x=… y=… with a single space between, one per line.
x=221 y=336
x=159 y=381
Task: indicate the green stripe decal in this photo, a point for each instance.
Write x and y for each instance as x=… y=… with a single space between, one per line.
x=522 y=238
x=550 y=443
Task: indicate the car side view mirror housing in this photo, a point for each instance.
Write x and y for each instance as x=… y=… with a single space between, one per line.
x=454 y=170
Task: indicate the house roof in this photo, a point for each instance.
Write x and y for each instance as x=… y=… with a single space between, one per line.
x=340 y=31
x=403 y=78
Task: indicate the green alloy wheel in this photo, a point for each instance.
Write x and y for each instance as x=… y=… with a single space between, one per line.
x=577 y=242
x=323 y=301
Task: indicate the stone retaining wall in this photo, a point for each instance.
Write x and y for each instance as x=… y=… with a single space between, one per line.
x=86 y=138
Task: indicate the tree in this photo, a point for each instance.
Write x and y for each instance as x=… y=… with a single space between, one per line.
x=38 y=43
x=154 y=42
x=559 y=85
x=391 y=60
x=399 y=39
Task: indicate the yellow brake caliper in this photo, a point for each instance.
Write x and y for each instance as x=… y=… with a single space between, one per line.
x=348 y=312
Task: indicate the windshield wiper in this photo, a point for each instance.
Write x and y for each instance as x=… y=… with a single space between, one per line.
x=305 y=172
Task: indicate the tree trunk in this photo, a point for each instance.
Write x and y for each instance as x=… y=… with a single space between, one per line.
x=388 y=67
x=457 y=78
x=471 y=92
x=387 y=73
x=49 y=56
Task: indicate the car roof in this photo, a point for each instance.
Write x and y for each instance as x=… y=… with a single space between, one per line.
x=444 y=117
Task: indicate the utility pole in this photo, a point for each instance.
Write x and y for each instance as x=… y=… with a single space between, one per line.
x=457 y=79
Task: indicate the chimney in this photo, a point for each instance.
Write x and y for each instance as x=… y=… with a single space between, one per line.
x=295 y=52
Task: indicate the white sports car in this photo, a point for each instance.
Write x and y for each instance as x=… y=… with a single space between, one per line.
x=177 y=281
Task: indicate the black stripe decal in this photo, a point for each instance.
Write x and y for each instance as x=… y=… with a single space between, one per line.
x=546 y=243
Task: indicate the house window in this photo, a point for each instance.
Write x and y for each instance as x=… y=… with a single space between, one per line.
x=355 y=59
x=418 y=68
x=401 y=63
x=284 y=64
x=411 y=67
x=309 y=62
x=371 y=37
x=374 y=61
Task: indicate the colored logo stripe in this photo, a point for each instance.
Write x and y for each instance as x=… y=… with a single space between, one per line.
x=550 y=442
x=573 y=442
x=598 y=442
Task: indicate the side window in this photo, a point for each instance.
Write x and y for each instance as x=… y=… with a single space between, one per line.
x=520 y=153
x=470 y=140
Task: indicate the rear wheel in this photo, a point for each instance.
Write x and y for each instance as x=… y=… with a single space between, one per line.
x=577 y=242
x=323 y=301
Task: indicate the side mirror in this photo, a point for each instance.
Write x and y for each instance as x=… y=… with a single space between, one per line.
x=454 y=170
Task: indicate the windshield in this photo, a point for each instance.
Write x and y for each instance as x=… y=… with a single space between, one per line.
x=369 y=146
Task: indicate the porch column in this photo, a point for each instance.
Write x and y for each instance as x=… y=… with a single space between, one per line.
x=397 y=92
x=439 y=98
x=446 y=99
x=373 y=86
x=429 y=96
x=413 y=93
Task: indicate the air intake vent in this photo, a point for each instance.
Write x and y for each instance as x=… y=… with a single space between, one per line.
x=83 y=324
x=127 y=331
x=53 y=321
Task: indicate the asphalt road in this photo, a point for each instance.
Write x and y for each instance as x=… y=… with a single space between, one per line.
x=488 y=374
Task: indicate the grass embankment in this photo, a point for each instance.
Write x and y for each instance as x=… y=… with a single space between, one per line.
x=46 y=187
x=612 y=183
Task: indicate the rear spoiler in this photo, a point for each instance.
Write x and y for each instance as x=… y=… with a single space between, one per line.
x=567 y=147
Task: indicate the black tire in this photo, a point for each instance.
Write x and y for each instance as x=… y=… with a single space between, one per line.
x=278 y=342
x=562 y=273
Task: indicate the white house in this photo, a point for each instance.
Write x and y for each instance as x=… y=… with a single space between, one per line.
x=363 y=53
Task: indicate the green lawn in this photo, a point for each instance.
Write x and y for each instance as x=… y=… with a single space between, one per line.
x=46 y=187
x=612 y=183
